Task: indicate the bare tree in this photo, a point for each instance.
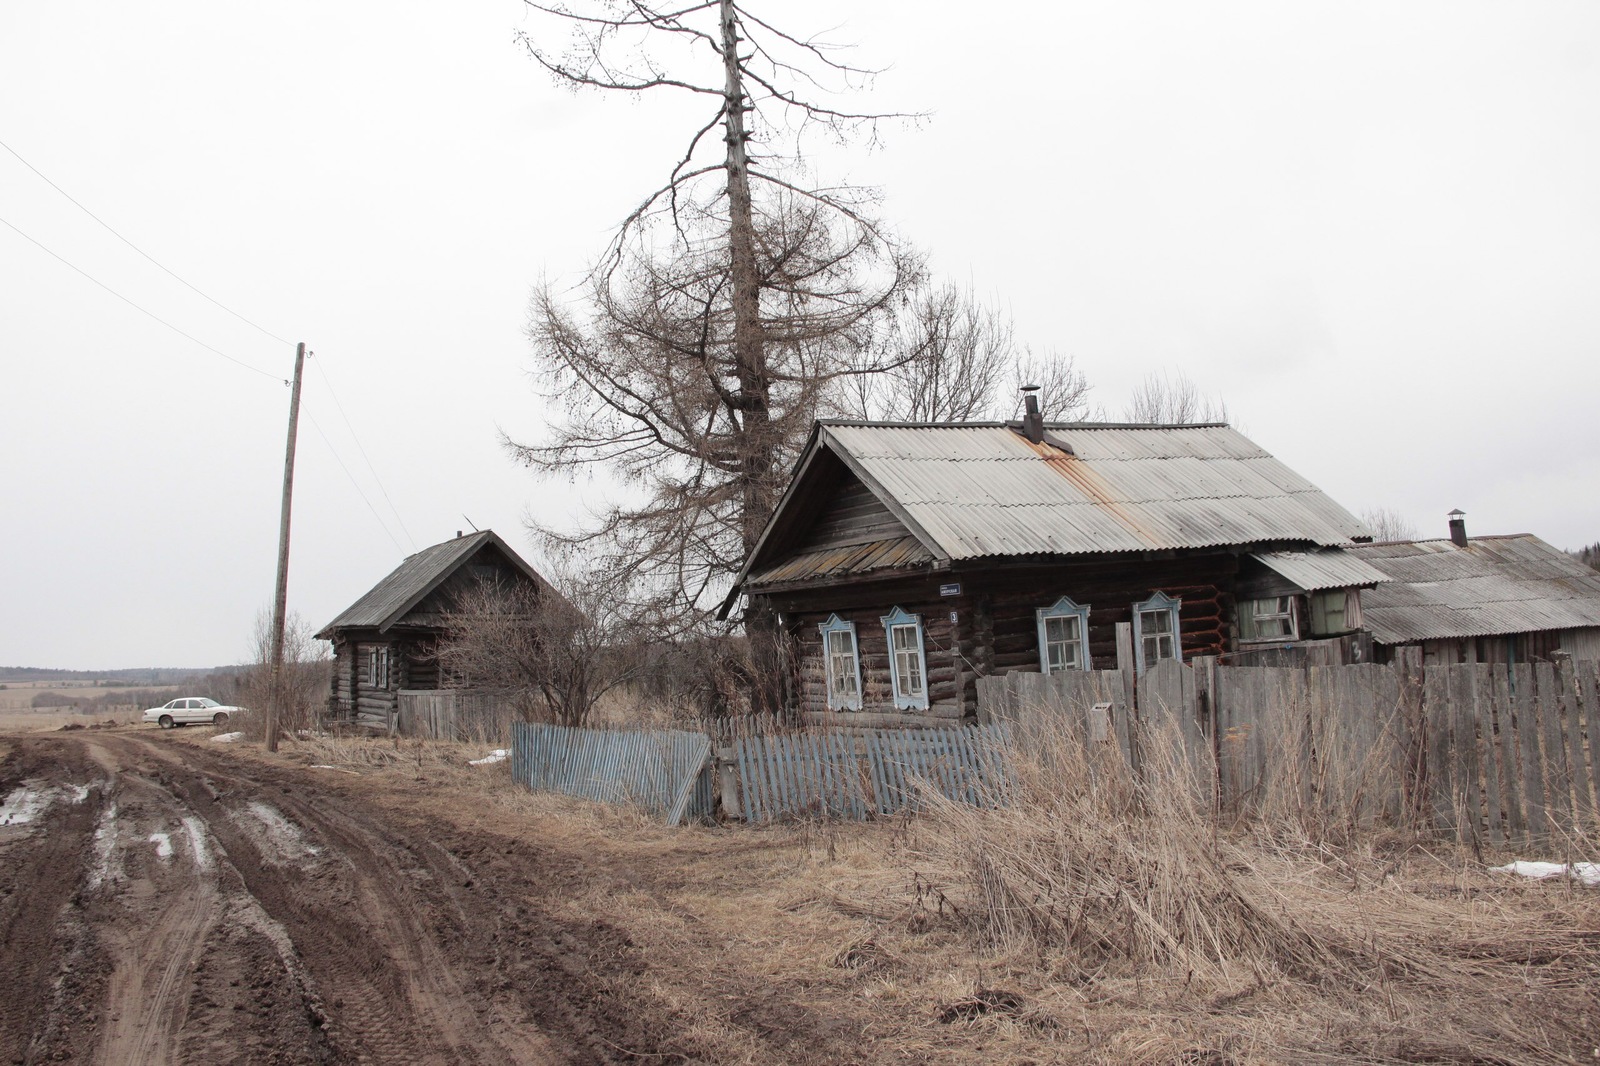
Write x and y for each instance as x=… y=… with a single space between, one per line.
x=1386 y=523
x=956 y=359
x=731 y=296
x=550 y=653
x=307 y=663
x=1164 y=400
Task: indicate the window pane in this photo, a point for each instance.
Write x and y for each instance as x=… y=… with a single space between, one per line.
x=842 y=681
x=1155 y=631
x=1062 y=642
x=907 y=660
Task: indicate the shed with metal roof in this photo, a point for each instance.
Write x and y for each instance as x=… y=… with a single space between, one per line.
x=1511 y=598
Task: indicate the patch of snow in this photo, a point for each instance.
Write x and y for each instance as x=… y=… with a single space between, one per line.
x=107 y=870
x=1586 y=872
x=79 y=794
x=197 y=841
x=163 y=845
x=321 y=766
x=25 y=804
x=497 y=755
x=226 y=738
x=282 y=841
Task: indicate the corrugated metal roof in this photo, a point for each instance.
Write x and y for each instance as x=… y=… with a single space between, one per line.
x=852 y=559
x=413 y=579
x=1494 y=586
x=1330 y=568
x=984 y=490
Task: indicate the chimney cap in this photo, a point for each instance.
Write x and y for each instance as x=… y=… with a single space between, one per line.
x=1030 y=388
x=1457 y=513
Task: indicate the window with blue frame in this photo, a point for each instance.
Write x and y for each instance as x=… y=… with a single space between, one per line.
x=1155 y=630
x=907 y=669
x=843 y=664
x=1063 y=637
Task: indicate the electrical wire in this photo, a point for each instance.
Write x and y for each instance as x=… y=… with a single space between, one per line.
x=136 y=248
x=142 y=310
x=318 y=427
x=333 y=395
x=259 y=328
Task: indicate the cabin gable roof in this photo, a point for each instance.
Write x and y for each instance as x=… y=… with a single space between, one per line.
x=392 y=600
x=969 y=491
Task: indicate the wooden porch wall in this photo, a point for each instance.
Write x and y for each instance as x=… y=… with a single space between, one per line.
x=451 y=714
x=1484 y=753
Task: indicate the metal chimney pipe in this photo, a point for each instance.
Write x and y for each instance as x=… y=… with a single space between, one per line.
x=1458 y=528
x=1032 y=420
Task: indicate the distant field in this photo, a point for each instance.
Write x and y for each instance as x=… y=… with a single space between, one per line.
x=49 y=718
x=19 y=695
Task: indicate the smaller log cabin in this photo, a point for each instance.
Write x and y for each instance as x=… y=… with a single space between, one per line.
x=905 y=561
x=388 y=639
x=1495 y=599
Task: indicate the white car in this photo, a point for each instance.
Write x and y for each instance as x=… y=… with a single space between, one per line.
x=192 y=709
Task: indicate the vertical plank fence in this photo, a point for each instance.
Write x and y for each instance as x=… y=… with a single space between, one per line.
x=1484 y=753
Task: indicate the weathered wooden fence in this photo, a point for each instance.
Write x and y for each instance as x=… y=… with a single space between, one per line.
x=857 y=773
x=449 y=714
x=1480 y=752
x=665 y=771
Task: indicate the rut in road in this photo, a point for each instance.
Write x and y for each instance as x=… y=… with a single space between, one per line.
x=310 y=929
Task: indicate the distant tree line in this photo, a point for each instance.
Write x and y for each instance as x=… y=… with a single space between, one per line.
x=1590 y=556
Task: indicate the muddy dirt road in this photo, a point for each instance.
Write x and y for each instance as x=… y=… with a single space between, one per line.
x=162 y=903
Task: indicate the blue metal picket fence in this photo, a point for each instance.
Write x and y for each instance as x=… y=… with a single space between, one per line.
x=855 y=774
x=819 y=773
x=665 y=771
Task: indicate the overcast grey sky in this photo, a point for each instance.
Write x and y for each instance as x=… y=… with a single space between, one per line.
x=1374 y=228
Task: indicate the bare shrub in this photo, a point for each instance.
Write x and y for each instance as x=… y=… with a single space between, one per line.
x=1387 y=523
x=303 y=682
x=1164 y=400
x=551 y=652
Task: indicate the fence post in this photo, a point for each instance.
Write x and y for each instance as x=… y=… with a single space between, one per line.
x=728 y=780
x=1127 y=667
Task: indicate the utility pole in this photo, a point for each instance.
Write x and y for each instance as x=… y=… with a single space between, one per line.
x=280 y=603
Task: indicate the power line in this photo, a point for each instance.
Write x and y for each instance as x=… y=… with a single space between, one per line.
x=362 y=448
x=136 y=248
x=389 y=532
x=141 y=310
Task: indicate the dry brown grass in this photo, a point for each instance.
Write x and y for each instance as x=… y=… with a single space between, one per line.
x=1099 y=919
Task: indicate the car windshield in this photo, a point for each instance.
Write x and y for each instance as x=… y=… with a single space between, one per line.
x=208 y=703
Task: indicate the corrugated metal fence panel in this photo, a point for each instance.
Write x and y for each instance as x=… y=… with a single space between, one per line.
x=846 y=774
x=652 y=768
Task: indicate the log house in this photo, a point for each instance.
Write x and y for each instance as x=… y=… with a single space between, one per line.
x=905 y=561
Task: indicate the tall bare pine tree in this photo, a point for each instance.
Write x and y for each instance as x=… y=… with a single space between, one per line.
x=728 y=305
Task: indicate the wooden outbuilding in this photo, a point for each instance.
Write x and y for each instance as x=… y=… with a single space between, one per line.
x=388 y=639
x=1493 y=599
x=907 y=560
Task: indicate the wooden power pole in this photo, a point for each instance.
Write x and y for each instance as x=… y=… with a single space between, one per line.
x=281 y=600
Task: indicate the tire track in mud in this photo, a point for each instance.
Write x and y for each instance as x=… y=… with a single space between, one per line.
x=387 y=986
x=330 y=926
x=48 y=965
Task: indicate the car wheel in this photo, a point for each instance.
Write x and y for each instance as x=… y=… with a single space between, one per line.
x=219 y=719
x=167 y=722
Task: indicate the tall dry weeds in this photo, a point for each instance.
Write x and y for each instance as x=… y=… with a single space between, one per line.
x=1117 y=870
x=1181 y=927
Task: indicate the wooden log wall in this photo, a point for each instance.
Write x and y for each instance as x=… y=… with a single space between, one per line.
x=994 y=628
